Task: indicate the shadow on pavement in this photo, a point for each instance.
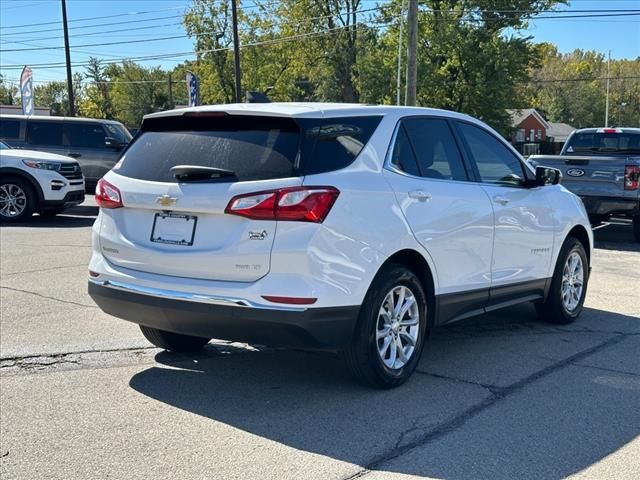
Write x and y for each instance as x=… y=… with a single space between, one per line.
x=80 y=216
x=553 y=421
x=616 y=236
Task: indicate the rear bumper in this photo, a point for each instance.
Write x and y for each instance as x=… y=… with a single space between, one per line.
x=321 y=328
x=611 y=205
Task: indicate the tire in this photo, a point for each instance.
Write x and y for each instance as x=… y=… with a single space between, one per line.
x=174 y=342
x=557 y=308
x=18 y=201
x=364 y=358
x=636 y=227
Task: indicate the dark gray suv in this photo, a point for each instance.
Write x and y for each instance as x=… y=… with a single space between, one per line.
x=96 y=144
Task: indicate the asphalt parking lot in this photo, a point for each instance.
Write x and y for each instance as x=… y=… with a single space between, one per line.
x=84 y=396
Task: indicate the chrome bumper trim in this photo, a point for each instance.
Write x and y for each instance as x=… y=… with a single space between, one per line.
x=191 y=297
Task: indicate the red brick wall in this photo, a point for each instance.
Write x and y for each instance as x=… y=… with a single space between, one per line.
x=531 y=122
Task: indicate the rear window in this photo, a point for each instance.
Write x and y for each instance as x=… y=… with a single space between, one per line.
x=605 y=143
x=9 y=129
x=252 y=147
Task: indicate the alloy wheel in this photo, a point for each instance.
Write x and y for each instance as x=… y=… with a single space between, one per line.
x=398 y=327
x=572 y=282
x=13 y=200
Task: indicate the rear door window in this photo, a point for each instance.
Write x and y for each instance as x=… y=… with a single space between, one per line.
x=403 y=157
x=87 y=135
x=10 y=129
x=44 y=133
x=435 y=148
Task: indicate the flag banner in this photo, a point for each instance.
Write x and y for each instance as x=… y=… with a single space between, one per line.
x=193 y=89
x=26 y=90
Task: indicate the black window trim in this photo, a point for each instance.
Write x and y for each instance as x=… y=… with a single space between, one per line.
x=471 y=160
x=388 y=161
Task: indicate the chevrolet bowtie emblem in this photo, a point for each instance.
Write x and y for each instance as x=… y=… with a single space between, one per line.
x=166 y=200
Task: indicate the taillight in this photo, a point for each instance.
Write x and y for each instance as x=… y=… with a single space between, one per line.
x=631 y=177
x=297 y=204
x=108 y=195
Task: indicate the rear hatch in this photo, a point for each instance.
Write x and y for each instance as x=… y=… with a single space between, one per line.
x=174 y=221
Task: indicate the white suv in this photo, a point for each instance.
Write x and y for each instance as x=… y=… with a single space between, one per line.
x=330 y=226
x=40 y=182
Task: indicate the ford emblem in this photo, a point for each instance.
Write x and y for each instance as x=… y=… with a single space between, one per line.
x=575 y=172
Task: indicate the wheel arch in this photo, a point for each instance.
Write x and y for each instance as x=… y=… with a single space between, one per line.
x=579 y=232
x=415 y=261
x=16 y=172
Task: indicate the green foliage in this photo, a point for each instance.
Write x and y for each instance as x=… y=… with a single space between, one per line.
x=8 y=93
x=472 y=57
x=571 y=88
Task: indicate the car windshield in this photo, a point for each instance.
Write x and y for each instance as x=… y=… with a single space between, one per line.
x=603 y=143
x=4 y=146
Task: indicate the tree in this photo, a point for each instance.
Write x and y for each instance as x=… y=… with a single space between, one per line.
x=96 y=100
x=571 y=88
x=8 y=93
x=136 y=91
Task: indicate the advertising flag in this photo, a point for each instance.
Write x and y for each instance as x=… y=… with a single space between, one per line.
x=193 y=89
x=26 y=90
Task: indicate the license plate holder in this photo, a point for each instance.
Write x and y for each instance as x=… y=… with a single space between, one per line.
x=174 y=229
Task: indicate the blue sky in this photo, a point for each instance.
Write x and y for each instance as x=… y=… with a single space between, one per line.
x=141 y=20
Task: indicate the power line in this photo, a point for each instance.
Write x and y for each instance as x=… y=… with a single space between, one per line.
x=213 y=50
x=93 y=44
x=57 y=22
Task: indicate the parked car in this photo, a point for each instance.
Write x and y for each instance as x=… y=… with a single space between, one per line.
x=350 y=228
x=96 y=144
x=37 y=182
x=602 y=166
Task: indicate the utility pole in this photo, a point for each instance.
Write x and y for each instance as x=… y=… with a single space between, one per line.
x=236 y=49
x=171 y=105
x=606 y=108
x=412 y=63
x=400 y=39
x=67 y=54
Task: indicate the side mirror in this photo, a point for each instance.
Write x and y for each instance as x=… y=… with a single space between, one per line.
x=110 y=142
x=547 y=176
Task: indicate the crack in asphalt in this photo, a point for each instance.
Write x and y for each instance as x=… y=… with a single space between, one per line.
x=610 y=370
x=69 y=302
x=45 y=269
x=459 y=420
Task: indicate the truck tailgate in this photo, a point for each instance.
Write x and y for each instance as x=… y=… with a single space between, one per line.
x=593 y=176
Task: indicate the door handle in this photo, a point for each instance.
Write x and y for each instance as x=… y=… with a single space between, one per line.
x=501 y=200
x=420 y=195
x=74 y=155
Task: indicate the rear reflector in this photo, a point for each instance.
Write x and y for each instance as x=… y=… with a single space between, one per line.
x=296 y=204
x=108 y=195
x=93 y=274
x=631 y=177
x=290 y=300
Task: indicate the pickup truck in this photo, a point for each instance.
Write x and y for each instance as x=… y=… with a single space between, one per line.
x=602 y=166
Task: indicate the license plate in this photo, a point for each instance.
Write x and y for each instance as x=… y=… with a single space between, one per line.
x=174 y=229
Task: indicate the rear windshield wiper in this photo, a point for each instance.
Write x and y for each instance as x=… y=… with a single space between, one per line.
x=195 y=173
